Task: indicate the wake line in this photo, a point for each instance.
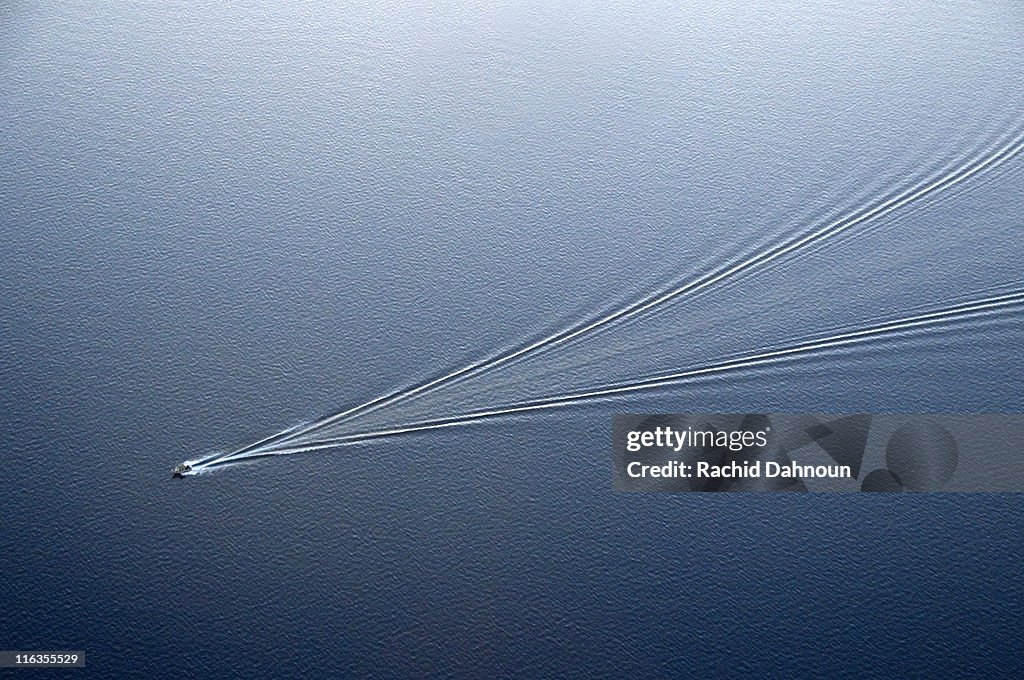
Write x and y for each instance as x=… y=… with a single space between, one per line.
x=251 y=447
x=772 y=254
x=925 y=321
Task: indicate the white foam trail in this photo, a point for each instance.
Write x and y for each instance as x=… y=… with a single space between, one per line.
x=927 y=320
x=283 y=434
x=571 y=363
x=206 y=466
x=762 y=258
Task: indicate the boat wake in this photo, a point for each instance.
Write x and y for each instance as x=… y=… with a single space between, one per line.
x=988 y=159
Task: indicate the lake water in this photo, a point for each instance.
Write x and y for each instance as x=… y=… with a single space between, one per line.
x=222 y=221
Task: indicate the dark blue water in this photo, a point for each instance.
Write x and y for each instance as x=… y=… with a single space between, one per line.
x=220 y=222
